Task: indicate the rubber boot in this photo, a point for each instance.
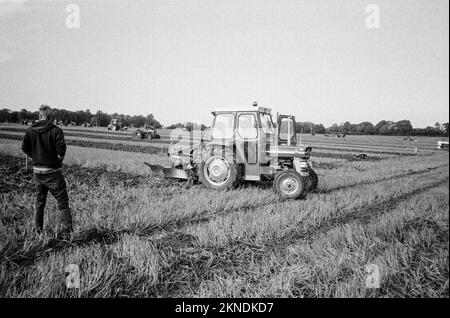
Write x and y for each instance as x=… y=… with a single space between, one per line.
x=65 y=224
x=39 y=220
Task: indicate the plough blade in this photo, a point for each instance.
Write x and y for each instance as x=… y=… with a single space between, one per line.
x=168 y=172
x=175 y=173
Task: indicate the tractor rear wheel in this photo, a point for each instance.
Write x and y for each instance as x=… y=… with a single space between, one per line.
x=139 y=135
x=313 y=181
x=290 y=185
x=219 y=174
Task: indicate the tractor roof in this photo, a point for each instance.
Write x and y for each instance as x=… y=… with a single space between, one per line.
x=242 y=110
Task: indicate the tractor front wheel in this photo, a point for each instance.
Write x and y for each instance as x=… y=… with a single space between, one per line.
x=289 y=185
x=313 y=180
x=218 y=174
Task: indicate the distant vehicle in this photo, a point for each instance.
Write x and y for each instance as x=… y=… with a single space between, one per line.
x=147 y=132
x=442 y=145
x=116 y=124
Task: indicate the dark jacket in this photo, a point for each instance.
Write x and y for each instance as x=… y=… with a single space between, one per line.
x=43 y=142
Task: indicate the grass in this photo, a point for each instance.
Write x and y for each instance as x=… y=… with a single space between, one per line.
x=149 y=237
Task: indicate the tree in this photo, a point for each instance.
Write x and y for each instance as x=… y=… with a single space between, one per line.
x=334 y=128
x=385 y=129
x=87 y=116
x=103 y=119
x=378 y=126
x=150 y=120
x=138 y=121
x=346 y=128
x=319 y=129
x=4 y=115
x=403 y=127
x=365 y=128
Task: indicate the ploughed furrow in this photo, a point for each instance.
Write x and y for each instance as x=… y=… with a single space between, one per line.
x=380 y=238
x=161 y=146
x=186 y=267
x=376 y=145
x=163 y=150
x=207 y=215
x=103 y=145
x=15 y=253
x=368 y=150
x=385 y=178
x=67 y=129
x=185 y=264
x=363 y=214
x=14 y=176
x=93 y=135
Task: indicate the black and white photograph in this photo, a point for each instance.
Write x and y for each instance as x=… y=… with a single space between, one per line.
x=224 y=154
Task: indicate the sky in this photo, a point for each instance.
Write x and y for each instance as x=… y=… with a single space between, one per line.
x=180 y=59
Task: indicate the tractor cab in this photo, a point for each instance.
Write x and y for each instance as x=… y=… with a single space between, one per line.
x=116 y=124
x=247 y=133
x=255 y=141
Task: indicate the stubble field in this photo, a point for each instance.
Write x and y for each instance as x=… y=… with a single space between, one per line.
x=141 y=236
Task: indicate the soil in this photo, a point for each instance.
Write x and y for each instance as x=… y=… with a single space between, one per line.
x=14 y=176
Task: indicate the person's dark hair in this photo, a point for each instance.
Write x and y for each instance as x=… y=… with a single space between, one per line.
x=45 y=113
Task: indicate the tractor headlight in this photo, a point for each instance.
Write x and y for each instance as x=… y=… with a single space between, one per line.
x=303 y=165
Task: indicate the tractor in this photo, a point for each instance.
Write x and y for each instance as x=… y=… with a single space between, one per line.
x=116 y=125
x=245 y=145
x=147 y=132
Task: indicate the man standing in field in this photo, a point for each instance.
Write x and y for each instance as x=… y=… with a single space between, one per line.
x=44 y=143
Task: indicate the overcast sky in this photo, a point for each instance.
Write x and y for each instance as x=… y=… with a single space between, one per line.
x=179 y=59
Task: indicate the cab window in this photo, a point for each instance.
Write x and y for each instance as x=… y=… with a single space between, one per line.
x=286 y=129
x=247 y=126
x=267 y=124
x=223 y=126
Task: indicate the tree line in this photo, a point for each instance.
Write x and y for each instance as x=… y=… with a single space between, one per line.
x=80 y=117
x=384 y=127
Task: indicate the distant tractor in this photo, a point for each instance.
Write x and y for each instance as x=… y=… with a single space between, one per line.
x=147 y=132
x=116 y=125
x=246 y=145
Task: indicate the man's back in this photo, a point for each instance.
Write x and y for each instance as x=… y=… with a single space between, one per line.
x=44 y=142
